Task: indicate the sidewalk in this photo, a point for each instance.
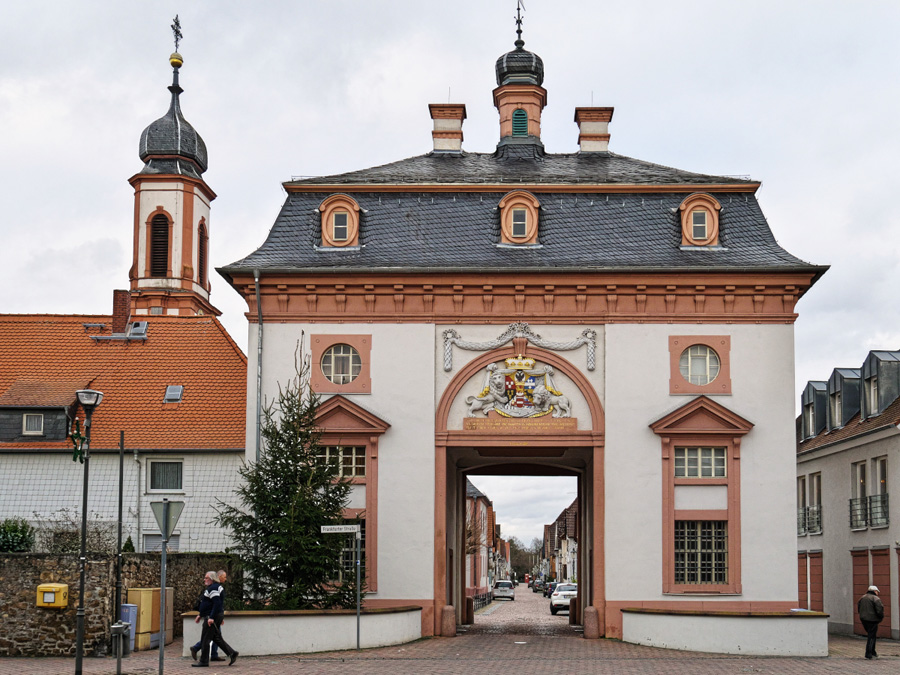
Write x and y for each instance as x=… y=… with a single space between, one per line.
x=486 y=652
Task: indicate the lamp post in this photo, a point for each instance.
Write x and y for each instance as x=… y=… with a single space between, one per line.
x=89 y=399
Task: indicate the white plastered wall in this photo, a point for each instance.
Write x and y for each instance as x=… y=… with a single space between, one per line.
x=402 y=360
x=637 y=394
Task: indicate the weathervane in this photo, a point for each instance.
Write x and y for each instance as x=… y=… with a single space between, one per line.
x=519 y=7
x=176 y=31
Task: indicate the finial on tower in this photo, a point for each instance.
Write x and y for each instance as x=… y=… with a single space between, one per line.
x=519 y=7
x=175 y=59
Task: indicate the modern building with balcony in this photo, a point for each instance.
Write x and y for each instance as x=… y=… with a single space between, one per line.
x=847 y=436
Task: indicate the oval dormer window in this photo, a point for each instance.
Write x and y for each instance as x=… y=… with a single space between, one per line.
x=339 y=221
x=519 y=122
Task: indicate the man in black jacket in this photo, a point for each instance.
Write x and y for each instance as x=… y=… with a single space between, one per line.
x=871 y=612
x=212 y=611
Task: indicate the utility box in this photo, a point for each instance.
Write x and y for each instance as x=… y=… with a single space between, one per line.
x=128 y=614
x=53 y=595
x=146 y=626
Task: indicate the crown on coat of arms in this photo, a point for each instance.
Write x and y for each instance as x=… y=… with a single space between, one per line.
x=520 y=362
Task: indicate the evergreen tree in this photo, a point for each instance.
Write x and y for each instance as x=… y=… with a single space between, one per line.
x=287 y=496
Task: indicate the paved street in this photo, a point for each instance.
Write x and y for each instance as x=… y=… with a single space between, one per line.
x=508 y=636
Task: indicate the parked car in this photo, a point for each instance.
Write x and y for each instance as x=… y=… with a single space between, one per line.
x=538 y=585
x=561 y=595
x=548 y=588
x=503 y=589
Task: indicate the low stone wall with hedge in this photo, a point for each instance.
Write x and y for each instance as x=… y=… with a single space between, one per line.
x=29 y=630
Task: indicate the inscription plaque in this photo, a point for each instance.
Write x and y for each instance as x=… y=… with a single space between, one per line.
x=526 y=425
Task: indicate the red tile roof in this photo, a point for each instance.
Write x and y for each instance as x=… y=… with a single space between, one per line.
x=44 y=358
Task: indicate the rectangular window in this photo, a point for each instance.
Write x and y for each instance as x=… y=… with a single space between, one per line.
x=165 y=476
x=32 y=424
x=340 y=231
x=698 y=222
x=810 y=418
x=699 y=462
x=836 y=411
x=801 y=506
x=153 y=542
x=814 y=510
x=348 y=554
x=519 y=222
x=878 y=502
x=873 y=395
x=859 y=505
x=351 y=460
x=701 y=552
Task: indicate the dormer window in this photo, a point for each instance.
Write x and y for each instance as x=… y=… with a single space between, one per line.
x=872 y=395
x=809 y=414
x=698 y=224
x=700 y=220
x=837 y=413
x=340 y=227
x=340 y=222
x=32 y=424
x=519 y=218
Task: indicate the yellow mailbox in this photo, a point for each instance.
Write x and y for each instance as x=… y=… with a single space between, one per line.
x=53 y=595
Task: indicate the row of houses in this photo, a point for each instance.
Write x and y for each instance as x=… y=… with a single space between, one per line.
x=848 y=456
x=487 y=554
x=559 y=549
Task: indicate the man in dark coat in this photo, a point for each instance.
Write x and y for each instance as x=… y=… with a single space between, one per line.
x=212 y=611
x=871 y=612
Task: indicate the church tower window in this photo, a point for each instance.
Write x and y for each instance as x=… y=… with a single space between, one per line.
x=159 y=246
x=202 y=246
x=519 y=123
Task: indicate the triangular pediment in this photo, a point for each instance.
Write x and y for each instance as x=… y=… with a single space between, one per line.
x=702 y=415
x=341 y=414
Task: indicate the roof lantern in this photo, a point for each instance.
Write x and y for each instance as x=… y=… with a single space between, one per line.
x=520 y=66
x=170 y=140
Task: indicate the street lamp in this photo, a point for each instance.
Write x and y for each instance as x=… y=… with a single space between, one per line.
x=89 y=399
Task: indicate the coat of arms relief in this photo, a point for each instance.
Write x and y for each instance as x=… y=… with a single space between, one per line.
x=519 y=388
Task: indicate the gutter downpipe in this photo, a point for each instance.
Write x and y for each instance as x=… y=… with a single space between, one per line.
x=259 y=354
x=137 y=503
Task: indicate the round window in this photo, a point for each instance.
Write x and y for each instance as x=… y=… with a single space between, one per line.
x=699 y=364
x=341 y=364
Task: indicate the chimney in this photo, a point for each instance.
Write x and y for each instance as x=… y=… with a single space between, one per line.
x=121 y=311
x=593 y=128
x=448 y=120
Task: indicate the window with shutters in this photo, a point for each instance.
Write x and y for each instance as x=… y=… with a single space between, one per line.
x=159 y=246
x=519 y=122
x=202 y=245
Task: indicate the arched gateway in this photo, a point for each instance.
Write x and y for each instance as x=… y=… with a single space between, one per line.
x=659 y=292
x=546 y=442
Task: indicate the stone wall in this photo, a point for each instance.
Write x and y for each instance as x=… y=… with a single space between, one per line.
x=29 y=630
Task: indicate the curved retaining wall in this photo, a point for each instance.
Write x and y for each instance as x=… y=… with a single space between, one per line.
x=302 y=631
x=751 y=633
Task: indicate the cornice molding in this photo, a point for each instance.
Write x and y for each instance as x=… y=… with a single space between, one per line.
x=540 y=188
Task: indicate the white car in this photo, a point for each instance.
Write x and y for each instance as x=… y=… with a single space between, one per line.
x=503 y=589
x=561 y=596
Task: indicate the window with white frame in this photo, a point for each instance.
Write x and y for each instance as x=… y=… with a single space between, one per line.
x=33 y=424
x=801 y=505
x=519 y=223
x=836 y=411
x=698 y=224
x=699 y=462
x=701 y=552
x=809 y=415
x=699 y=364
x=878 y=501
x=859 y=480
x=341 y=227
x=859 y=504
x=165 y=475
x=351 y=460
x=341 y=364
x=872 y=391
x=814 y=510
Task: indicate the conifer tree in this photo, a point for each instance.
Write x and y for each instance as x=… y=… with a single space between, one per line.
x=286 y=497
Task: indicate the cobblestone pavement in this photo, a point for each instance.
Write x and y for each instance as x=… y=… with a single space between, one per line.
x=520 y=636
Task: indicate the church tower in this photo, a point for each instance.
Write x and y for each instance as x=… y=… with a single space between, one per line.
x=170 y=267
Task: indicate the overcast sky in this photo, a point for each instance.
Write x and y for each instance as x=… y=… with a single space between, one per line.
x=803 y=96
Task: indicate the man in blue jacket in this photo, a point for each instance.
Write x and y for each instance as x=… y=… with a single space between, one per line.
x=212 y=611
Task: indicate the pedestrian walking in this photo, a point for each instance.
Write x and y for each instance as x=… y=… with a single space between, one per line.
x=214 y=652
x=212 y=611
x=871 y=612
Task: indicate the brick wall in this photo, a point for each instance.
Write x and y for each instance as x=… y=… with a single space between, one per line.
x=29 y=630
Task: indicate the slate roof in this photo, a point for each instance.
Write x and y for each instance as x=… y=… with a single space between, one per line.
x=889 y=419
x=45 y=358
x=417 y=231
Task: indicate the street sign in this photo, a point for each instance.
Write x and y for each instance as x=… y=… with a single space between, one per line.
x=337 y=529
x=167 y=524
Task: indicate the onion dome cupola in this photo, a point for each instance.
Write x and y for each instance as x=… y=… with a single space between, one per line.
x=170 y=144
x=170 y=266
x=519 y=96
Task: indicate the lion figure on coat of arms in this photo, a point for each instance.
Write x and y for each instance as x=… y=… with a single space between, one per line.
x=494 y=394
x=544 y=399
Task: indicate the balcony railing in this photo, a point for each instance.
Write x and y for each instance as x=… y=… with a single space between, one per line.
x=814 y=519
x=869 y=512
x=801 y=520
